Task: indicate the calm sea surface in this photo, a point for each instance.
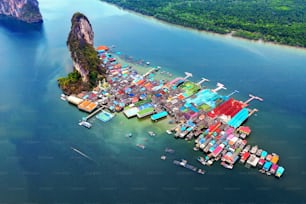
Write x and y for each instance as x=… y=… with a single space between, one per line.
x=37 y=129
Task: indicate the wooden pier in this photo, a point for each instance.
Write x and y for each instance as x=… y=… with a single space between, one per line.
x=93 y=113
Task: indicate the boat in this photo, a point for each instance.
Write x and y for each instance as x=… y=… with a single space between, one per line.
x=129 y=134
x=269 y=157
x=209 y=162
x=201 y=171
x=244 y=157
x=258 y=153
x=254 y=149
x=176 y=162
x=227 y=165
x=195 y=148
x=151 y=133
x=246 y=149
x=169 y=132
x=81 y=153
x=63 y=97
x=85 y=124
x=140 y=146
x=261 y=171
x=261 y=162
x=267 y=165
x=190 y=167
x=201 y=160
x=163 y=157
x=263 y=154
x=183 y=163
x=169 y=150
x=274 y=158
x=273 y=168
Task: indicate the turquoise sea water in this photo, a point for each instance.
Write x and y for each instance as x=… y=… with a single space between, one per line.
x=37 y=129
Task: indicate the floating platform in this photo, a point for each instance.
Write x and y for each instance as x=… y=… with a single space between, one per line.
x=105 y=116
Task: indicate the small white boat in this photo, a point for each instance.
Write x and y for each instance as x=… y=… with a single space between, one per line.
x=226 y=165
x=195 y=148
x=63 y=97
x=129 y=134
x=201 y=171
x=85 y=124
x=141 y=146
x=151 y=133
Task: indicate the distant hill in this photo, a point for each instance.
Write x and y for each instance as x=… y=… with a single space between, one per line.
x=23 y=10
x=282 y=22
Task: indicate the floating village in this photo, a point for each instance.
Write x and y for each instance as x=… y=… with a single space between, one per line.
x=213 y=121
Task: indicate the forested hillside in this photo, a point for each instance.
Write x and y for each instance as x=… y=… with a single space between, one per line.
x=281 y=21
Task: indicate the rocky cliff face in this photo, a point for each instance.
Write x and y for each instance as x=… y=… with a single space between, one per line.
x=88 y=70
x=24 y=10
x=80 y=36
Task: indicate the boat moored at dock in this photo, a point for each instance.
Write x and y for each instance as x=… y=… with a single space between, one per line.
x=85 y=124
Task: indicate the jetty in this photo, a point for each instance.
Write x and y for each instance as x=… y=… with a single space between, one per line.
x=93 y=113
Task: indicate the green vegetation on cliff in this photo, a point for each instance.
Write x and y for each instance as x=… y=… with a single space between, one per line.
x=72 y=83
x=84 y=55
x=276 y=21
x=31 y=13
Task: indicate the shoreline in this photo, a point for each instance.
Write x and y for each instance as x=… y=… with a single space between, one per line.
x=224 y=36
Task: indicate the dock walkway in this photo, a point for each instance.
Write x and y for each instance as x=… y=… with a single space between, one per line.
x=93 y=113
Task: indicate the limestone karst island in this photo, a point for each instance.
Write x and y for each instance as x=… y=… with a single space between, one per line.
x=87 y=65
x=23 y=10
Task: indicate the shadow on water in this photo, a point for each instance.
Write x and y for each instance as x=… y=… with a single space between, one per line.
x=17 y=26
